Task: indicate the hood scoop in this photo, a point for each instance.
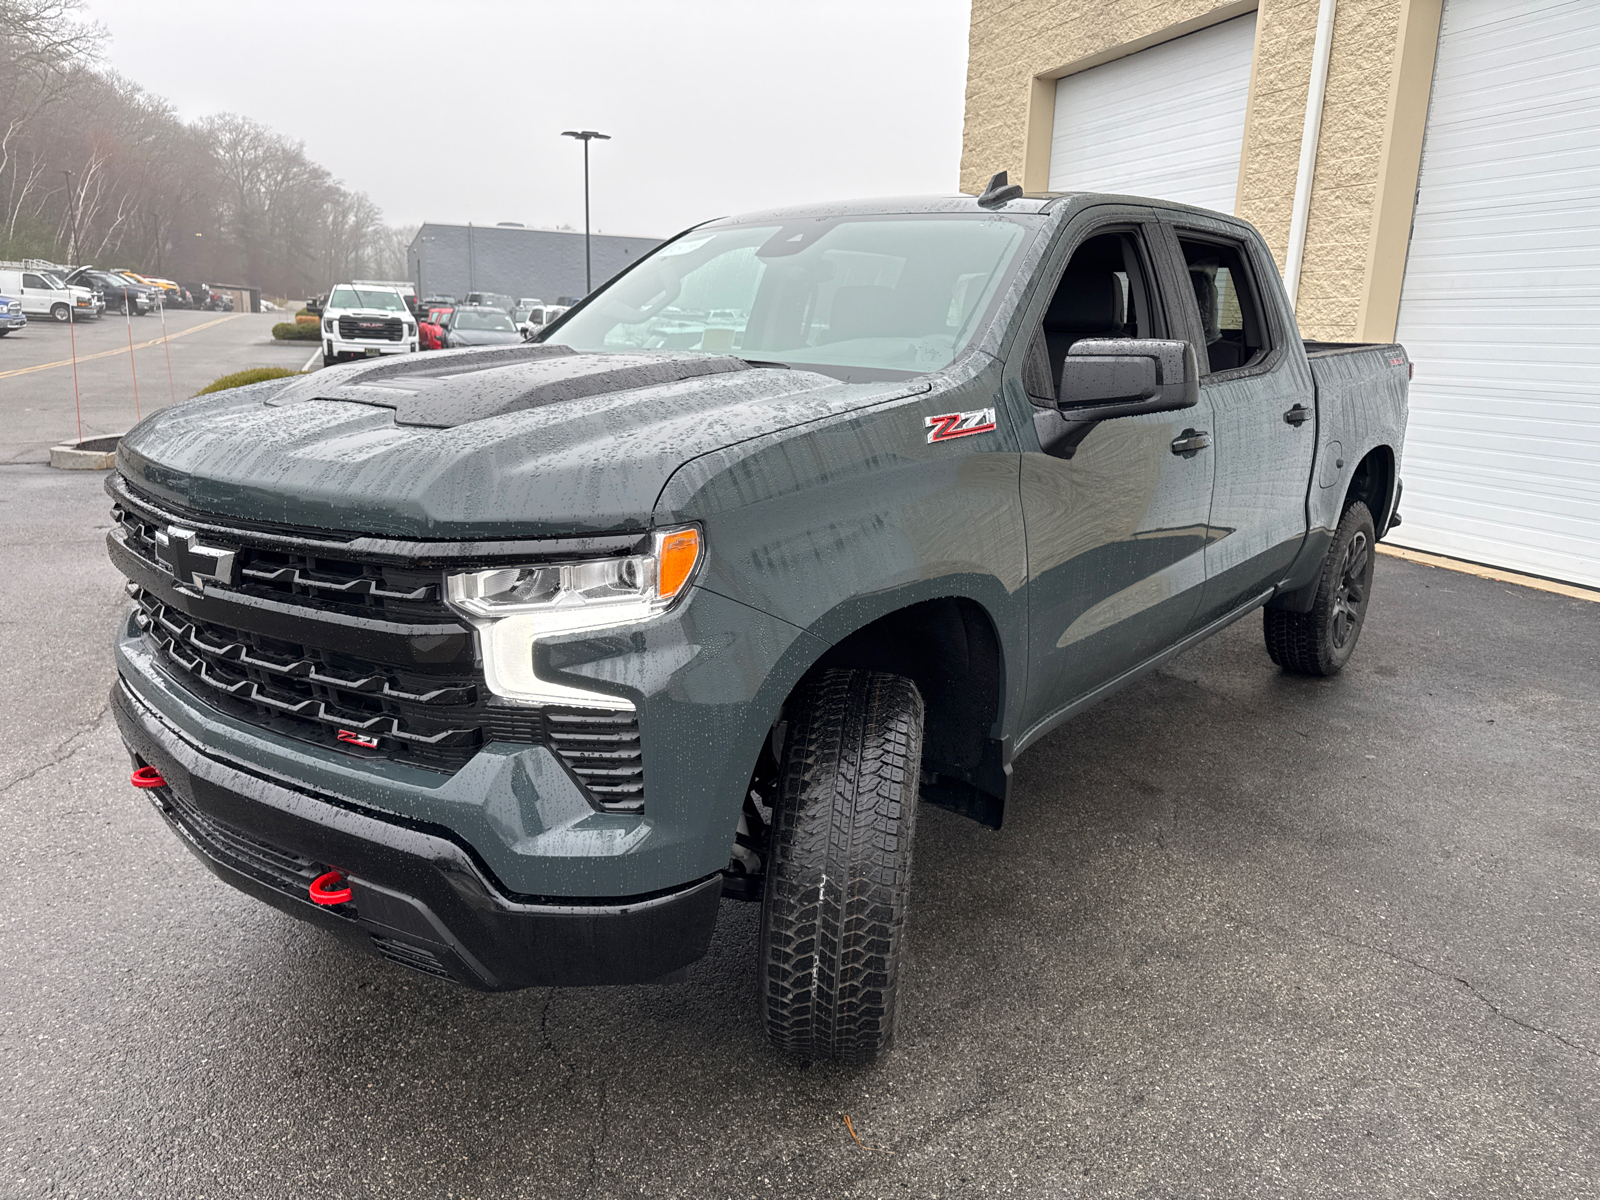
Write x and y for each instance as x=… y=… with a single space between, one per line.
x=447 y=389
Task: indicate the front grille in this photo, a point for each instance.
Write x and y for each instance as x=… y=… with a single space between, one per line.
x=314 y=694
x=315 y=580
x=307 y=679
x=370 y=329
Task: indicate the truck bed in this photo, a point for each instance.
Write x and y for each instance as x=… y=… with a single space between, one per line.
x=1361 y=402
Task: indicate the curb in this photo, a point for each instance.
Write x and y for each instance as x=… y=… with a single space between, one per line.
x=91 y=454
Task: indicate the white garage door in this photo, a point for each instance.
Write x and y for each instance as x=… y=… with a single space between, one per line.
x=1165 y=122
x=1501 y=304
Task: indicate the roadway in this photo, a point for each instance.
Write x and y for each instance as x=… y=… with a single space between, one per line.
x=36 y=371
x=1243 y=935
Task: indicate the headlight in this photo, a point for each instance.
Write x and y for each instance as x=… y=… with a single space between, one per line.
x=512 y=607
x=327 y=325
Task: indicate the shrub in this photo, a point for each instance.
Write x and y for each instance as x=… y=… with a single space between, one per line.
x=241 y=378
x=297 y=331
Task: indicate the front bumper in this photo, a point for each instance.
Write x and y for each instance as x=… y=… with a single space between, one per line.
x=12 y=320
x=334 y=345
x=418 y=897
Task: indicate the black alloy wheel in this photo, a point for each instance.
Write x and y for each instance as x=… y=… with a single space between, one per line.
x=1321 y=641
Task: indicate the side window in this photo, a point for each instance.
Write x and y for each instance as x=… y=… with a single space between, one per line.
x=33 y=281
x=1229 y=312
x=1105 y=292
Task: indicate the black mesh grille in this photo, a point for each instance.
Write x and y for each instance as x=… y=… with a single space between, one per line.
x=407 y=955
x=370 y=329
x=427 y=714
x=271 y=865
x=315 y=580
x=317 y=695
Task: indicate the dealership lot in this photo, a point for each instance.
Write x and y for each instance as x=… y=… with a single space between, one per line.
x=36 y=387
x=1242 y=935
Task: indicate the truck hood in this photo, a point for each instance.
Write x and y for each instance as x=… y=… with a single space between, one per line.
x=523 y=441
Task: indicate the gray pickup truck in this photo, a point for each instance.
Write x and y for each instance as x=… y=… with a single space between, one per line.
x=511 y=664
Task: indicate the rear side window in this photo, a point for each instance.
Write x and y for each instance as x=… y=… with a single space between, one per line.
x=1226 y=303
x=33 y=281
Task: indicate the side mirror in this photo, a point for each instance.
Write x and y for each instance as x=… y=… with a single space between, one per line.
x=1117 y=377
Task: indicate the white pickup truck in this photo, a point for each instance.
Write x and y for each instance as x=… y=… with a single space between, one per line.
x=362 y=320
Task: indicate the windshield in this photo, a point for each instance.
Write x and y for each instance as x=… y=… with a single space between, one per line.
x=901 y=294
x=347 y=297
x=484 y=320
x=53 y=281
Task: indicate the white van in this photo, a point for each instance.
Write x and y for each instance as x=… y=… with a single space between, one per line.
x=43 y=295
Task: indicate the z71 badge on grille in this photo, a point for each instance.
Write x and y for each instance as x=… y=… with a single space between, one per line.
x=959 y=424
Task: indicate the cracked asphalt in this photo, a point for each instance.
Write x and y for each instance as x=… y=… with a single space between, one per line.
x=1243 y=935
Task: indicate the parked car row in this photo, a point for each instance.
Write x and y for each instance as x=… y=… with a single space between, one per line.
x=41 y=289
x=366 y=318
x=43 y=293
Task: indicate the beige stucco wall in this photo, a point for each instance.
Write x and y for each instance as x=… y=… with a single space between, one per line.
x=1013 y=43
x=1364 y=166
x=1345 y=187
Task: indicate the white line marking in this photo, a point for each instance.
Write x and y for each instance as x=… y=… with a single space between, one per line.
x=67 y=362
x=315 y=354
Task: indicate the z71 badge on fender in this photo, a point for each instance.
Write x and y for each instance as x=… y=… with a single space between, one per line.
x=959 y=424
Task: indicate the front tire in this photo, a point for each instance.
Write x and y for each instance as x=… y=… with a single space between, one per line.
x=1321 y=641
x=838 y=875
x=60 y=312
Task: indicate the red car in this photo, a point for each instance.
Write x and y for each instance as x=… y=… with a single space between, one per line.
x=429 y=329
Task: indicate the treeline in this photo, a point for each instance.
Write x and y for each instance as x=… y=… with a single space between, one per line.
x=94 y=169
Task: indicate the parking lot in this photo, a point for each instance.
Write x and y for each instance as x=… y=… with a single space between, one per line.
x=1243 y=935
x=36 y=376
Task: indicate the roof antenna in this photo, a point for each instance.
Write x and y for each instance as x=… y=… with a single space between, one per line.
x=998 y=192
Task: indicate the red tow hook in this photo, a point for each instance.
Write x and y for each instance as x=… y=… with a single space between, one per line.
x=147 y=777
x=330 y=888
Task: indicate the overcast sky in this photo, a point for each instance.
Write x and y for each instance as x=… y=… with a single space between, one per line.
x=452 y=110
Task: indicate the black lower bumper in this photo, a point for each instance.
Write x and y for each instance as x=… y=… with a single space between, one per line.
x=417 y=897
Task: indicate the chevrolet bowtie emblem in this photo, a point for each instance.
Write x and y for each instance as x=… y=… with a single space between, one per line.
x=190 y=560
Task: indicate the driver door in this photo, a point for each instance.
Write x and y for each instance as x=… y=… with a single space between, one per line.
x=1117 y=517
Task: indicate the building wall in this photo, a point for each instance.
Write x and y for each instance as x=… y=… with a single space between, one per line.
x=1367 y=156
x=542 y=263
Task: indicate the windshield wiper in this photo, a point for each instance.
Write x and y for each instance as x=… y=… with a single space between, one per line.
x=761 y=362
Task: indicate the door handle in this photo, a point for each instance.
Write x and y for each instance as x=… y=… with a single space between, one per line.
x=1298 y=415
x=1191 y=441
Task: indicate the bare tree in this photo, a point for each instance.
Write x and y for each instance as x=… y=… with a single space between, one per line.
x=118 y=177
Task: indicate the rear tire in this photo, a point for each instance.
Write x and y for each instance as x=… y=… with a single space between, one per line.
x=1321 y=641
x=839 y=867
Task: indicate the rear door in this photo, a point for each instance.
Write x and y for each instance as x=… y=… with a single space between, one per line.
x=1117 y=521
x=1257 y=384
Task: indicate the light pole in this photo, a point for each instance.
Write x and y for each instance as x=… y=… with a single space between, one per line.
x=72 y=246
x=586 y=136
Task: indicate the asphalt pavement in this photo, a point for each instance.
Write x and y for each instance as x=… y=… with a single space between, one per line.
x=1243 y=935
x=40 y=400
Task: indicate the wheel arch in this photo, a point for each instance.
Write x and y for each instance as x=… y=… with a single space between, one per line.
x=950 y=646
x=1374 y=483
